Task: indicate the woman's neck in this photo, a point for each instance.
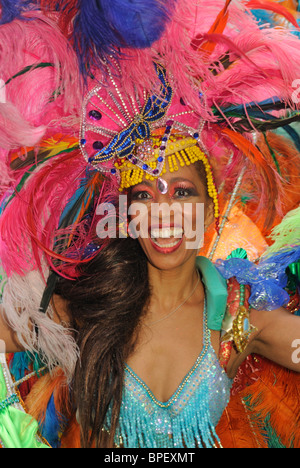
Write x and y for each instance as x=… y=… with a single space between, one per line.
x=169 y=288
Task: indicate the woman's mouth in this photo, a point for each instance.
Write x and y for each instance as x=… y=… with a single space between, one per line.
x=166 y=239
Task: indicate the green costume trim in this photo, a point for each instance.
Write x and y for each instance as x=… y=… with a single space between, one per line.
x=17 y=428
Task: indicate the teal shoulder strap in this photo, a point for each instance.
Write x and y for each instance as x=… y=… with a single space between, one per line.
x=216 y=293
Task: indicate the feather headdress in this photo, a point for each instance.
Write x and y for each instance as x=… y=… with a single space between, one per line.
x=98 y=29
x=228 y=79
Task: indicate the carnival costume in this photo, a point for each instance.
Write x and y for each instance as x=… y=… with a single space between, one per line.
x=197 y=81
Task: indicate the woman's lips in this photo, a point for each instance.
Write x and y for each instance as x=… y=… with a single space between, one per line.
x=166 y=239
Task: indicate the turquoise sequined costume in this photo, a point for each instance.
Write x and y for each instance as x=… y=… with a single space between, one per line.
x=189 y=417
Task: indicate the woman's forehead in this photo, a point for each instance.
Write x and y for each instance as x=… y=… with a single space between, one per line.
x=187 y=174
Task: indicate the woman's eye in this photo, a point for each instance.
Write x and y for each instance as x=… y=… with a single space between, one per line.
x=182 y=193
x=141 y=196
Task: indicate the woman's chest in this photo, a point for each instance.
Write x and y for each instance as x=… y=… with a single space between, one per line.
x=163 y=357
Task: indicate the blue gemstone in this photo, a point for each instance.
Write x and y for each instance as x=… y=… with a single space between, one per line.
x=246 y=325
x=160 y=159
x=83 y=141
x=145 y=167
x=113 y=171
x=196 y=136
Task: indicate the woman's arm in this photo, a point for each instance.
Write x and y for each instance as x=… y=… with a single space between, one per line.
x=279 y=332
x=277 y=338
x=9 y=342
x=8 y=338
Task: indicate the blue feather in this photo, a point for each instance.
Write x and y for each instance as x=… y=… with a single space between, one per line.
x=105 y=26
x=24 y=361
x=139 y=22
x=73 y=206
x=52 y=426
x=19 y=364
x=13 y=9
x=256 y=105
x=263 y=17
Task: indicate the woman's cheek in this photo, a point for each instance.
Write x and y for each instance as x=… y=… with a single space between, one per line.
x=139 y=220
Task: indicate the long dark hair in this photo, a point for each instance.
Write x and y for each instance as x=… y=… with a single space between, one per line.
x=105 y=305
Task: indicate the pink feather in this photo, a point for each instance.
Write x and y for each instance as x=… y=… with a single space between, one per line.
x=35 y=92
x=50 y=186
x=15 y=131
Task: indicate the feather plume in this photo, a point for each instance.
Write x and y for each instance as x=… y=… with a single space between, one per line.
x=49 y=220
x=12 y=9
x=44 y=64
x=264 y=411
x=286 y=234
x=15 y=131
x=49 y=403
x=288 y=161
x=235 y=429
x=38 y=210
x=258 y=161
x=98 y=29
x=275 y=8
x=54 y=343
x=275 y=397
x=217 y=28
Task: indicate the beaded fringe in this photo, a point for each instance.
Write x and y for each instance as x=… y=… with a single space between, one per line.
x=152 y=426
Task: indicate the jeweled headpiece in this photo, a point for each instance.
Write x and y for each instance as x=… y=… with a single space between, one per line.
x=140 y=136
x=126 y=123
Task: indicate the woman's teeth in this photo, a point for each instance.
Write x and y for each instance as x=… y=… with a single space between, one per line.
x=166 y=233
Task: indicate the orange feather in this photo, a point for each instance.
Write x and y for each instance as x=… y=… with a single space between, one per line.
x=235 y=429
x=276 y=395
x=218 y=27
x=37 y=400
x=264 y=168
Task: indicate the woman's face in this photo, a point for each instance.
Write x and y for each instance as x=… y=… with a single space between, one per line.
x=170 y=226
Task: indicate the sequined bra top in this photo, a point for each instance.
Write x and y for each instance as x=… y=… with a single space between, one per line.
x=188 y=419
